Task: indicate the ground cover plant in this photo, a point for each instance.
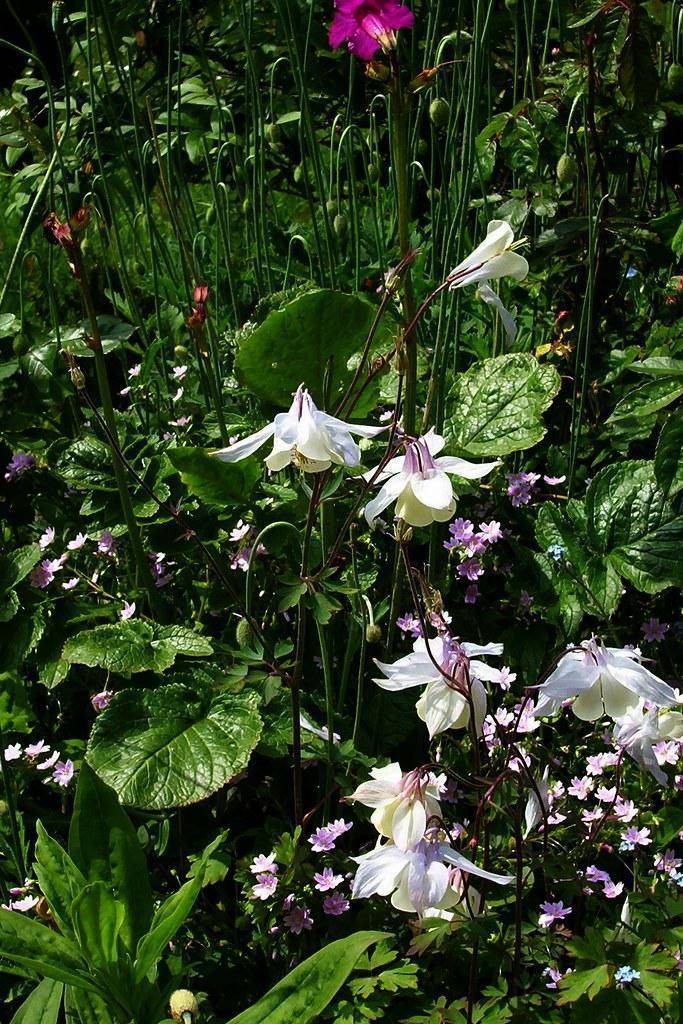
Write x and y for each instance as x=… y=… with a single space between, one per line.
x=340 y=511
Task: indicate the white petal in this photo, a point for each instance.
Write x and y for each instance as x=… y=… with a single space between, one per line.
x=588 y=705
x=435 y=442
x=441 y=707
x=641 y=681
x=457 y=860
x=247 y=446
x=388 y=493
x=378 y=871
x=472 y=650
x=478 y=694
x=463 y=468
x=432 y=488
x=491 y=298
x=408 y=824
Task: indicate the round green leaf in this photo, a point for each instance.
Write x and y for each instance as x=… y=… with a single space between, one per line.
x=299 y=342
x=173 y=746
x=213 y=481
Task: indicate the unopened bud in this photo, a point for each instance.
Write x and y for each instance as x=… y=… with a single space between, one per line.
x=243 y=633
x=340 y=225
x=373 y=633
x=422 y=80
x=180 y=352
x=439 y=112
x=378 y=72
x=567 y=169
x=184 y=1007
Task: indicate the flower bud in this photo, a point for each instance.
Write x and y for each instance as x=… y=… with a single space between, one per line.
x=332 y=207
x=184 y=1007
x=439 y=112
x=273 y=133
x=567 y=169
x=298 y=174
x=373 y=633
x=243 y=633
x=674 y=79
x=180 y=353
x=341 y=225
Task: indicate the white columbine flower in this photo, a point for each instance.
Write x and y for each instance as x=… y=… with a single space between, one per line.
x=419 y=484
x=421 y=879
x=444 y=703
x=492 y=259
x=306 y=437
x=640 y=728
x=402 y=801
x=604 y=680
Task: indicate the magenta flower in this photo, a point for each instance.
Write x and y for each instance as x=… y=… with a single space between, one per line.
x=326 y=880
x=18 y=465
x=101 y=700
x=367 y=25
x=297 y=919
x=322 y=840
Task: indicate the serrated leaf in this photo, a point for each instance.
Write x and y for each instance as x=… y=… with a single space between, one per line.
x=498 y=403
x=16 y=566
x=631 y=521
x=669 y=455
x=134 y=646
x=583 y=983
x=648 y=398
x=172 y=746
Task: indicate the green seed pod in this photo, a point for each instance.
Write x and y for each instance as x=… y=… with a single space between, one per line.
x=439 y=112
x=674 y=79
x=341 y=225
x=273 y=133
x=180 y=353
x=210 y=215
x=243 y=633
x=331 y=207
x=183 y=1006
x=567 y=169
x=373 y=633
x=298 y=174
x=21 y=345
x=246 y=205
x=373 y=172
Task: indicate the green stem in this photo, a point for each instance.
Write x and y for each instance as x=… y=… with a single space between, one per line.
x=18 y=849
x=144 y=575
x=329 y=714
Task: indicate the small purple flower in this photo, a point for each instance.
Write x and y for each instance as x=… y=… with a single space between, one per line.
x=107 y=543
x=34 y=750
x=264 y=864
x=409 y=624
x=551 y=912
x=78 y=542
x=297 y=918
x=471 y=594
x=159 y=568
x=265 y=887
x=18 y=465
x=47 y=538
x=462 y=531
x=322 y=840
x=43 y=574
x=49 y=763
x=471 y=569
x=63 y=773
x=338 y=827
x=520 y=487
x=101 y=700
x=326 y=880
x=367 y=25
x=335 y=905
x=128 y=611
x=654 y=631
x=70 y=583
x=13 y=752
x=490 y=532
x=633 y=837
x=612 y=890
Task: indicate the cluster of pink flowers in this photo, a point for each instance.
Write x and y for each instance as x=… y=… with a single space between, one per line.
x=551 y=912
x=323 y=839
x=159 y=568
x=62 y=771
x=240 y=559
x=610 y=889
x=471 y=546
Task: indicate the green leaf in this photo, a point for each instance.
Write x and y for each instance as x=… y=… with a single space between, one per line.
x=497 y=405
x=25 y=942
x=637 y=73
x=299 y=342
x=59 y=879
x=213 y=481
x=304 y=993
x=90 y=1007
x=669 y=455
x=134 y=646
x=42 y=1006
x=16 y=566
x=166 y=922
x=104 y=846
x=631 y=521
x=583 y=982
x=173 y=746
x=648 y=398
x=98 y=919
